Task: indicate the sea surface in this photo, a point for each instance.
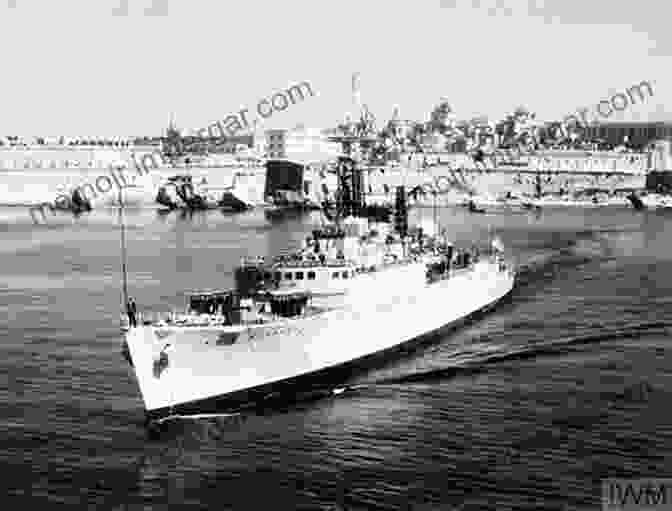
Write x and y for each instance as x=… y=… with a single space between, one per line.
x=567 y=382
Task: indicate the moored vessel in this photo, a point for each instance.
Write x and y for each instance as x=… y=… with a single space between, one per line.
x=645 y=200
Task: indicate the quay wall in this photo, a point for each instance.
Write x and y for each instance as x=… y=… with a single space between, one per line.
x=556 y=172
x=556 y=161
x=35 y=174
x=67 y=157
x=490 y=183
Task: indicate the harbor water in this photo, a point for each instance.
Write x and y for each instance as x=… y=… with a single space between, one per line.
x=565 y=383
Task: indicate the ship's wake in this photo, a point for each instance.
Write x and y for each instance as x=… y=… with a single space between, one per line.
x=557 y=257
x=491 y=360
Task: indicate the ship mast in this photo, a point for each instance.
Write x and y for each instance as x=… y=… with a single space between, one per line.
x=356 y=138
x=124 y=289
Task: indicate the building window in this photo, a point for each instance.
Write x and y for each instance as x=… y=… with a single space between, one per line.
x=335 y=275
x=345 y=274
x=311 y=275
x=278 y=275
x=299 y=275
x=288 y=276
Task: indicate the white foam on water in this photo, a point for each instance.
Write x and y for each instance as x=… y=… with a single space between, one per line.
x=197 y=416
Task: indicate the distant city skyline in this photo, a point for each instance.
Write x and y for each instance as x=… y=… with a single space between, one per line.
x=76 y=68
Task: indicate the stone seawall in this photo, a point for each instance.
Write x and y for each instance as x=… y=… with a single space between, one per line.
x=448 y=180
x=555 y=161
x=68 y=157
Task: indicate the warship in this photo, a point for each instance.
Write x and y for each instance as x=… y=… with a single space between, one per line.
x=358 y=288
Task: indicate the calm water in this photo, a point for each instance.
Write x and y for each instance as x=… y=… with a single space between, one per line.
x=565 y=383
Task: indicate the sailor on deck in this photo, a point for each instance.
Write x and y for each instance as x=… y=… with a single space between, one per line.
x=132 y=312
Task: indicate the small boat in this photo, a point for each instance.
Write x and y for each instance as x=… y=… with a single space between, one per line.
x=636 y=202
x=77 y=205
x=473 y=208
x=530 y=205
x=650 y=201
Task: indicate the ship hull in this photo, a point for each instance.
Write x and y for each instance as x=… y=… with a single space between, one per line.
x=314 y=383
x=320 y=353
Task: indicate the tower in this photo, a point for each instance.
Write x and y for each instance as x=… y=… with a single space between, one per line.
x=356 y=97
x=172 y=130
x=173 y=138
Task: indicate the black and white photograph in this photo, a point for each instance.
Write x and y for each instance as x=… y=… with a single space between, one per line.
x=338 y=256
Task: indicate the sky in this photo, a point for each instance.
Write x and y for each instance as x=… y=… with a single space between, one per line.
x=83 y=67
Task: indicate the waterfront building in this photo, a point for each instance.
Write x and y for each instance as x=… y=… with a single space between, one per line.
x=638 y=134
x=398 y=131
x=275 y=143
x=433 y=143
x=660 y=177
x=545 y=172
x=10 y=141
x=77 y=153
x=442 y=118
x=300 y=143
x=182 y=142
x=34 y=173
